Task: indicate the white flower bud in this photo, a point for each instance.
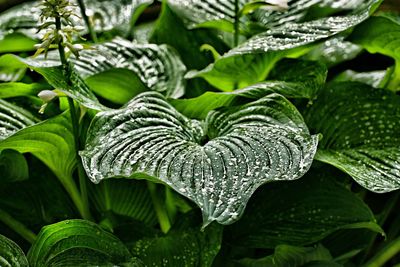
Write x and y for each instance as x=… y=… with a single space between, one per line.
x=47 y=95
x=78 y=47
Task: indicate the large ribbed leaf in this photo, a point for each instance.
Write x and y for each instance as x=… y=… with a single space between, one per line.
x=381 y=35
x=11 y=255
x=13 y=166
x=251 y=61
x=218 y=163
x=377 y=79
x=76 y=88
x=77 y=243
x=13 y=119
x=299 y=213
x=158 y=66
x=107 y=15
x=360 y=133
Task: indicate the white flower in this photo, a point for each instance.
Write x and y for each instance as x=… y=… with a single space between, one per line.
x=47 y=95
x=277 y=4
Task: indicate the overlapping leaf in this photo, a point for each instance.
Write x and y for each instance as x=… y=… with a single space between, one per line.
x=299 y=213
x=13 y=166
x=11 y=255
x=107 y=15
x=74 y=87
x=158 y=66
x=257 y=55
x=249 y=145
x=13 y=119
x=361 y=133
x=77 y=243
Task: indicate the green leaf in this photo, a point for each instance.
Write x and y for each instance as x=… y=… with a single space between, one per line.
x=375 y=79
x=380 y=35
x=285 y=256
x=183 y=247
x=334 y=51
x=13 y=119
x=13 y=166
x=14 y=89
x=360 y=129
x=251 y=61
x=107 y=15
x=290 y=78
x=16 y=42
x=299 y=213
x=54 y=74
x=124 y=197
x=158 y=66
x=77 y=243
x=218 y=164
x=11 y=255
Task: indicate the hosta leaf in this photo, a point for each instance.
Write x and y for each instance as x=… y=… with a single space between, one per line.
x=299 y=213
x=54 y=74
x=13 y=166
x=51 y=141
x=292 y=256
x=247 y=146
x=14 y=89
x=334 y=51
x=360 y=130
x=77 y=243
x=290 y=78
x=13 y=119
x=107 y=15
x=16 y=43
x=158 y=66
x=11 y=255
x=375 y=79
x=380 y=35
x=180 y=247
x=251 y=61
x=124 y=197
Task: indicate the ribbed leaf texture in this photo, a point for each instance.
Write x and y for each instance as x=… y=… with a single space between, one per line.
x=360 y=133
x=13 y=119
x=107 y=15
x=11 y=255
x=218 y=163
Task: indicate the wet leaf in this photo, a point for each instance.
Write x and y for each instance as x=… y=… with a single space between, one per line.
x=218 y=163
x=13 y=119
x=299 y=213
x=360 y=133
x=77 y=243
x=11 y=255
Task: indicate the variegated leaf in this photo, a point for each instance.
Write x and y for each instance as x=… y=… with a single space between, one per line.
x=217 y=163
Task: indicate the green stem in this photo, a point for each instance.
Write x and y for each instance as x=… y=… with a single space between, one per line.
x=17 y=226
x=81 y=172
x=72 y=190
x=385 y=254
x=236 y=25
x=82 y=204
x=87 y=21
x=161 y=212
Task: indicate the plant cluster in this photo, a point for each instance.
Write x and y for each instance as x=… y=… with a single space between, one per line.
x=218 y=133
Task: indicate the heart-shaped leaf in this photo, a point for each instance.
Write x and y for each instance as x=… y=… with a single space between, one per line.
x=249 y=145
x=251 y=61
x=158 y=66
x=13 y=119
x=77 y=243
x=11 y=255
x=360 y=133
x=381 y=35
x=107 y=15
x=300 y=213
